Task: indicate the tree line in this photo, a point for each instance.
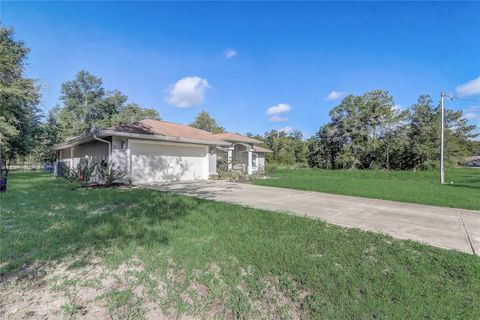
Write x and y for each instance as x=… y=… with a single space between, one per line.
x=369 y=132
x=365 y=132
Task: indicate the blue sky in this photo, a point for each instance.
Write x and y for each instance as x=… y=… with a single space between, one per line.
x=238 y=59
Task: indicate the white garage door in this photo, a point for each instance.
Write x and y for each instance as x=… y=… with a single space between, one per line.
x=153 y=162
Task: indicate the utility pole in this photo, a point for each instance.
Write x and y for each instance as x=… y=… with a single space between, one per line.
x=442 y=173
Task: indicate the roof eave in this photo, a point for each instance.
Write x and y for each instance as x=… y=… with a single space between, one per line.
x=166 y=138
x=253 y=141
x=106 y=133
x=79 y=140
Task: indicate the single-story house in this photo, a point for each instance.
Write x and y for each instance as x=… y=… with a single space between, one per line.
x=153 y=151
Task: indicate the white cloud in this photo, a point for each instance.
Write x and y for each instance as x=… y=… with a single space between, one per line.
x=187 y=92
x=472 y=114
x=277 y=118
x=286 y=129
x=469 y=88
x=230 y=53
x=279 y=108
x=334 y=95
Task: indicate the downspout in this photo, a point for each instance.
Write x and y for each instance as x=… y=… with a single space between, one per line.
x=109 y=147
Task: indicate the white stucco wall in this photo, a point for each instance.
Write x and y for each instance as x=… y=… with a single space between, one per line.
x=93 y=152
x=212 y=160
x=120 y=153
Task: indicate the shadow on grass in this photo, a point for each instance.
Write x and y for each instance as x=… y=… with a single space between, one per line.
x=44 y=220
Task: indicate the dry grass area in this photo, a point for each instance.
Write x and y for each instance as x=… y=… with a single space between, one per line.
x=87 y=289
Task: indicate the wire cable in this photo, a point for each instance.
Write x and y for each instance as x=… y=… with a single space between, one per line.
x=462 y=99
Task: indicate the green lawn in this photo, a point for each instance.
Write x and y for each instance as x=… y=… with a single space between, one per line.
x=133 y=253
x=462 y=190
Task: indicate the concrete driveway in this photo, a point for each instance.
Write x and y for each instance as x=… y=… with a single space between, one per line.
x=441 y=227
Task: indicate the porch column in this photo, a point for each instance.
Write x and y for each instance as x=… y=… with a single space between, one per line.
x=71 y=158
x=249 y=164
x=229 y=158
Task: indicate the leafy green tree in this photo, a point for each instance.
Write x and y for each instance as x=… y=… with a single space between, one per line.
x=85 y=105
x=205 y=122
x=255 y=136
x=365 y=126
x=48 y=136
x=458 y=136
x=423 y=135
x=369 y=132
x=287 y=148
x=88 y=107
x=19 y=99
x=133 y=112
x=323 y=149
x=299 y=146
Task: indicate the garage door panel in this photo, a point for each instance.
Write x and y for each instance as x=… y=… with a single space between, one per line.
x=162 y=162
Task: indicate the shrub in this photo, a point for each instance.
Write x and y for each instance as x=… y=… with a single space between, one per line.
x=104 y=174
x=82 y=174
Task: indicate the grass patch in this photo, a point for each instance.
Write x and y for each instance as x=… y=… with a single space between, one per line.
x=141 y=253
x=461 y=191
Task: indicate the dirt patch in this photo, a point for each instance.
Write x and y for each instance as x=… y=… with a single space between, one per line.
x=56 y=292
x=86 y=289
x=278 y=303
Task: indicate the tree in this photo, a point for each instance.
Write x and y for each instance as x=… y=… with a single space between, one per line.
x=48 y=136
x=323 y=149
x=19 y=99
x=85 y=105
x=364 y=126
x=88 y=107
x=205 y=122
x=286 y=148
x=423 y=134
x=369 y=132
x=133 y=112
x=458 y=136
x=299 y=146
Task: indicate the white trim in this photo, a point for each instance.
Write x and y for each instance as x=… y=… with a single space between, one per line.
x=129 y=162
x=164 y=138
x=246 y=145
x=229 y=159
x=167 y=143
x=249 y=163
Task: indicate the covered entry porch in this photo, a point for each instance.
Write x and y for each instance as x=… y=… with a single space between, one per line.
x=241 y=157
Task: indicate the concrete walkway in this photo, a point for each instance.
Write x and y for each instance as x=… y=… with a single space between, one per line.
x=442 y=227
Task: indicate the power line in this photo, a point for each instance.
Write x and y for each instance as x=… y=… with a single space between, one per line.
x=462 y=99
